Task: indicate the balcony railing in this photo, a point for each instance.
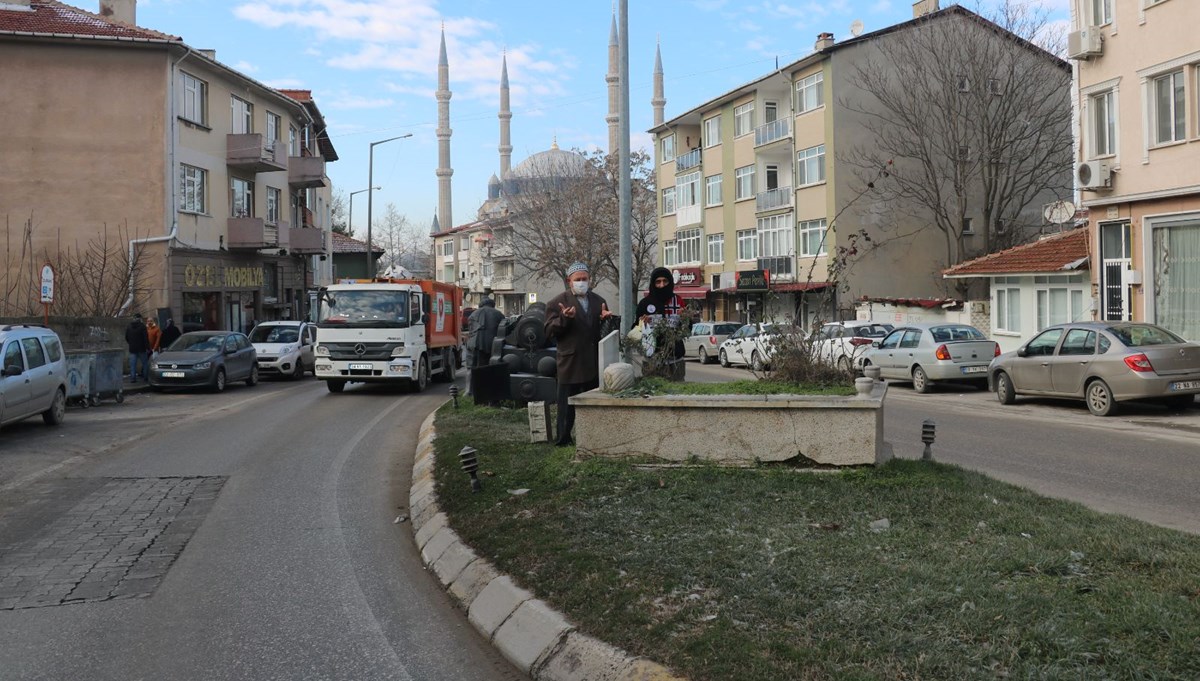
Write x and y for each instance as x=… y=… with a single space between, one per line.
x=688 y=161
x=306 y=172
x=502 y=283
x=780 y=197
x=255 y=153
x=779 y=266
x=770 y=132
x=306 y=241
x=250 y=233
x=688 y=215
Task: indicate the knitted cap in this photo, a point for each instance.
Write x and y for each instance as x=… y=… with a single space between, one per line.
x=576 y=267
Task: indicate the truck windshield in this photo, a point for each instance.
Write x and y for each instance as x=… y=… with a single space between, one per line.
x=364 y=308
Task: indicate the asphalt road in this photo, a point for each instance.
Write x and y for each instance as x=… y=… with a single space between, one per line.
x=295 y=570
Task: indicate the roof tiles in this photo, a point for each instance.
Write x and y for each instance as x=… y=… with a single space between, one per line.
x=1057 y=253
x=49 y=17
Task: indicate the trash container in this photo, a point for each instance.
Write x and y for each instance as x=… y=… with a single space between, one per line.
x=79 y=377
x=108 y=375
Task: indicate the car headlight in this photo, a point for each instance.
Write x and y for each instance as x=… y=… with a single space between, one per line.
x=287 y=349
x=203 y=365
x=322 y=351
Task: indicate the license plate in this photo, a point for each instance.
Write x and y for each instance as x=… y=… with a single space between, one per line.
x=974 y=370
x=368 y=367
x=1185 y=385
x=173 y=374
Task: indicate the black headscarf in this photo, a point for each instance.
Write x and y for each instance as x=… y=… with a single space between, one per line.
x=661 y=296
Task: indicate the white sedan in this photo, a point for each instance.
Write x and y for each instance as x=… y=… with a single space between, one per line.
x=844 y=344
x=752 y=345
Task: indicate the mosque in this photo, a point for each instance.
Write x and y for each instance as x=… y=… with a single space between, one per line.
x=479 y=256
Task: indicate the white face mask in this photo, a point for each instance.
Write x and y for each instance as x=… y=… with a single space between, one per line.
x=579 y=288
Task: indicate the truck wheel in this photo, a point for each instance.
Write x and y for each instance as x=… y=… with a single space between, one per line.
x=335 y=386
x=448 y=367
x=422 y=379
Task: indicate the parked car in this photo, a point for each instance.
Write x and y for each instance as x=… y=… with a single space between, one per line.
x=752 y=345
x=705 y=341
x=284 y=348
x=845 y=343
x=1101 y=363
x=930 y=352
x=33 y=375
x=205 y=359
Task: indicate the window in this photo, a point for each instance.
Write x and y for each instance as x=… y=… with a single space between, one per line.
x=668 y=201
x=293 y=141
x=810 y=165
x=274 y=125
x=712 y=131
x=743 y=183
x=770 y=111
x=776 y=236
x=464 y=243
x=1169 y=109
x=670 y=259
x=241 y=116
x=12 y=356
x=192 y=189
x=812 y=238
x=810 y=93
x=448 y=247
x=195 y=99
x=716 y=248
x=1058 y=306
x=1044 y=343
x=743 y=119
x=273 y=205
x=911 y=339
x=1101 y=12
x=1104 y=124
x=33 y=352
x=712 y=190
x=1079 y=342
x=668 y=148
x=892 y=340
x=1008 y=306
x=53 y=347
x=687 y=190
x=747 y=244
x=687 y=245
x=968 y=226
x=241 y=198
x=448 y=273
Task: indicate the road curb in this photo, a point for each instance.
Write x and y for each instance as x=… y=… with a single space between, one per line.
x=537 y=639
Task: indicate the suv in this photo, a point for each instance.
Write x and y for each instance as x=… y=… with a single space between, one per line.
x=284 y=347
x=706 y=338
x=33 y=374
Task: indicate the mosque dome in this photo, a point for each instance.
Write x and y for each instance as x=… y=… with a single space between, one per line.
x=553 y=162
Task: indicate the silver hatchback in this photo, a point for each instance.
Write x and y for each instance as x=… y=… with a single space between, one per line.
x=1101 y=363
x=33 y=374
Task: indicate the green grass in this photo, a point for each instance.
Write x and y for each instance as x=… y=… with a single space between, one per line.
x=661 y=386
x=774 y=574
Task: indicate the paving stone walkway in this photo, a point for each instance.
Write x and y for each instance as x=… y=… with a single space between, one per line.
x=95 y=539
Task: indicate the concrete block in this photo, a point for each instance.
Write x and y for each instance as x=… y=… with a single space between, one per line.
x=456 y=557
x=495 y=603
x=435 y=525
x=420 y=489
x=645 y=670
x=429 y=507
x=583 y=658
x=438 y=544
x=532 y=631
x=472 y=580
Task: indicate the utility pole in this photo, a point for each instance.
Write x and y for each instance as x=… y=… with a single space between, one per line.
x=625 y=203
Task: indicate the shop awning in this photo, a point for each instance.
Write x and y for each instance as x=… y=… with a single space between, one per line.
x=800 y=286
x=692 y=292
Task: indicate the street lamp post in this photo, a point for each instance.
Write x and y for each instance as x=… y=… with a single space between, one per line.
x=351 y=221
x=371 y=195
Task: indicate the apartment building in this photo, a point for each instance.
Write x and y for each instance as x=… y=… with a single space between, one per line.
x=751 y=180
x=1138 y=156
x=114 y=131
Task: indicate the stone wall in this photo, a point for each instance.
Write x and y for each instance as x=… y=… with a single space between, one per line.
x=82 y=333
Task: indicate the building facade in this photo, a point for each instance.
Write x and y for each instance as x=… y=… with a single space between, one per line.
x=1138 y=156
x=216 y=181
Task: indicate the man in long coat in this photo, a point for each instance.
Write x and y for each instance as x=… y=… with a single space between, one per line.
x=573 y=321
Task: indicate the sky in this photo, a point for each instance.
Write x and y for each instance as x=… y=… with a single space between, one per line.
x=372 y=69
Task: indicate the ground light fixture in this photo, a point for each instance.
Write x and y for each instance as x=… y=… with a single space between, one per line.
x=928 y=433
x=470 y=465
x=454 y=394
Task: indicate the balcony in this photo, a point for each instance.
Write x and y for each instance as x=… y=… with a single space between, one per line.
x=306 y=241
x=255 y=153
x=688 y=161
x=774 y=199
x=306 y=172
x=251 y=234
x=502 y=283
x=688 y=215
x=780 y=267
x=772 y=132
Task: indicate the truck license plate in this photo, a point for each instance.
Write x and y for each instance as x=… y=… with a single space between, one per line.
x=353 y=367
x=974 y=370
x=172 y=374
x=1185 y=385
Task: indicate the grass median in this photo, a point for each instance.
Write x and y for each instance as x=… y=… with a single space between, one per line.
x=772 y=573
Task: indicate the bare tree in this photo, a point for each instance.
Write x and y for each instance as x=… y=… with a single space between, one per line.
x=404 y=244
x=974 y=118
x=644 y=216
x=337 y=212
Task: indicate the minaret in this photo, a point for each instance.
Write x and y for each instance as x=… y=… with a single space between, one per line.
x=444 y=171
x=659 y=100
x=613 y=78
x=505 y=117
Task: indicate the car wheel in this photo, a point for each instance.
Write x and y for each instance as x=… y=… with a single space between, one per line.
x=58 y=409
x=1004 y=389
x=252 y=379
x=756 y=362
x=1176 y=402
x=335 y=386
x=218 y=384
x=920 y=381
x=723 y=358
x=843 y=363
x=702 y=355
x=1099 y=398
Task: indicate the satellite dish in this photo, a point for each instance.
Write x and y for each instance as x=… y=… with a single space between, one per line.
x=1059 y=212
x=856 y=28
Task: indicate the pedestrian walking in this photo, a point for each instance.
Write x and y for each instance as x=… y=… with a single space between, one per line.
x=138 y=342
x=573 y=319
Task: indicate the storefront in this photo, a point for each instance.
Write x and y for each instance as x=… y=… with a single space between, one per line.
x=751 y=288
x=689 y=285
x=233 y=291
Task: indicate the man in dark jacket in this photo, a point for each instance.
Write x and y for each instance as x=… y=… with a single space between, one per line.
x=573 y=321
x=481 y=330
x=139 y=348
x=170 y=334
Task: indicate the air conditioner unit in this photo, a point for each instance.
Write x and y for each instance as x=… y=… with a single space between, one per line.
x=1093 y=175
x=1085 y=44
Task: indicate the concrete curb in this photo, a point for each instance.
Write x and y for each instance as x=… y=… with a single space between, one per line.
x=529 y=633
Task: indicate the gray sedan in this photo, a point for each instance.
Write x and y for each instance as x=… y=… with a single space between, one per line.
x=1101 y=363
x=205 y=359
x=929 y=352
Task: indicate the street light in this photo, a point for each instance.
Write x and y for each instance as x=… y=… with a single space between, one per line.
x=371 y=195
x=351 y=226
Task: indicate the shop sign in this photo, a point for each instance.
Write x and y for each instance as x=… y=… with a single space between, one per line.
x=688 y=276
x=221 y=276
x=753 y=280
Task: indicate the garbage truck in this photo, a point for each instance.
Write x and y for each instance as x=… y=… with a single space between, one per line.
x=401 y=331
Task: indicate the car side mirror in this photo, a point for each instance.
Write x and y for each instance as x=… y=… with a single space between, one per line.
x=874 y=344
x=12 y=370
x=1022 y=351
